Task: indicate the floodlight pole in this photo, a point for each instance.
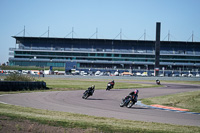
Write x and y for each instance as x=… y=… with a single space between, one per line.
x=120 y=34
x=192 y=36
x=157 y=50
x=168 y=35
x=24 y=31
x=48 y=31
x=96 y=33
x=72 y=32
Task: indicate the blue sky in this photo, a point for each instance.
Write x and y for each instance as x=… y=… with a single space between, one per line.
x=133 y=17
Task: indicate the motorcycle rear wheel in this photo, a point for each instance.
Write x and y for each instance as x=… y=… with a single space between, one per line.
x=122 y=104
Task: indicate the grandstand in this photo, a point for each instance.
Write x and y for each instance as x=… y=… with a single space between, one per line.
x=104 y=53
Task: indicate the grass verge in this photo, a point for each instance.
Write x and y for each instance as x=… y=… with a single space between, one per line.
x=186 y=100
x=82 y=84
x=65 y=84
x=181 y=82
x=98 y=124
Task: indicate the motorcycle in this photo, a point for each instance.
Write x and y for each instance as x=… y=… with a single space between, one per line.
x=128 y=102
x=158 y=82
x=86 y=94
x=110 y=85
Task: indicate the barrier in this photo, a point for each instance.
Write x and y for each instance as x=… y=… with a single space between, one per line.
x=21 y=85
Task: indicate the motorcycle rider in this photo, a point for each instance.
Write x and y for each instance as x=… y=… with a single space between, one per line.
x=91 y=90
x=112 y=83
x=133 y=93
x=157 y=81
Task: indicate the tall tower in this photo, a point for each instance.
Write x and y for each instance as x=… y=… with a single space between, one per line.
x=157 y=50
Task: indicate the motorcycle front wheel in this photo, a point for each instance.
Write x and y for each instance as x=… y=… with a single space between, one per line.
x=107 y=88
x=130 y=104
x=85 y=96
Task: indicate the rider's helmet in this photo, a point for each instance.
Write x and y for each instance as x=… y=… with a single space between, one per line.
x=93 y=86
x=136 y=92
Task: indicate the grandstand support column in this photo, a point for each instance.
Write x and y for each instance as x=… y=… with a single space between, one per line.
x=157 y=50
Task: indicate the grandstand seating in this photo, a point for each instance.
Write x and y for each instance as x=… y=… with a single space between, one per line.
x=111 y=52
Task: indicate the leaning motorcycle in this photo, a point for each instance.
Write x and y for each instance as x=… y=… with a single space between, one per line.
x=158 y=82
x=86 y=94
x=128 y=102
x=109 y=86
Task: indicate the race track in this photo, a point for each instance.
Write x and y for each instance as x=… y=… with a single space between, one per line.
x=106 y=104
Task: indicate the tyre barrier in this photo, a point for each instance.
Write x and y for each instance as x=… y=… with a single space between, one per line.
x=21 y=85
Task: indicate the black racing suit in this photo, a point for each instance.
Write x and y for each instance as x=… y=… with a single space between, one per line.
x=131 y=96
x=90 y=91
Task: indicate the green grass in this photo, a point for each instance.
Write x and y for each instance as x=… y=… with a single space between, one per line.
x=186 y=100
x=19 y=77
x=167 y=81
x=181 y=82
x=65 y=84
x=98 y=124
x=82 y=84
x=103 y=124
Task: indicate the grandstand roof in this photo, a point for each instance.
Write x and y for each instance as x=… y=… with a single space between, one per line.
x=94 y=39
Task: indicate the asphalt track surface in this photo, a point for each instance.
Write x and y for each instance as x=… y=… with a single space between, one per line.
x=106 y=104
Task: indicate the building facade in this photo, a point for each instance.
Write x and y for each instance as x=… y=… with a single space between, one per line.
x=104 y=53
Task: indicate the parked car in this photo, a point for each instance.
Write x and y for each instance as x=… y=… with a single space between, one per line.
x=161 y=75
x=98 y=73
x=190 y=75
x=138 y=74
x=61 y=72
x=184 y=75
x=144 y=74
x=116 y=73
x=127 y=74
x=25 y=72
x=175 y=75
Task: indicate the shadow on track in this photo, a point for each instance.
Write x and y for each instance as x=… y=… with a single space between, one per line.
x=115 y=90
x=133 y=107
x=95 y=99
